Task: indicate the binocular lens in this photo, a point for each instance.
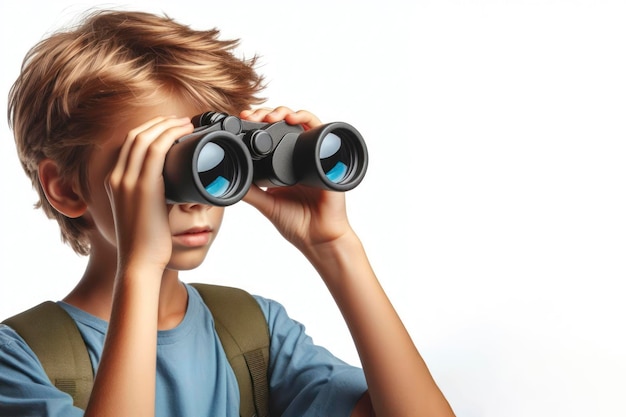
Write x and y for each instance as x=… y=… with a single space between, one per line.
x=215 y=169
x=334 y=158
x=331 y=156
x=208 y=168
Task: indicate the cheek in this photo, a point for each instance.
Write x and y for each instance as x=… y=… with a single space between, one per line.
x=217 y=214
x=102 y=221
x=99 y=213
x=101 y=163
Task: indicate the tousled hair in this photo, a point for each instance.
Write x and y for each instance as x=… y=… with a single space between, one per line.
x=78 y=82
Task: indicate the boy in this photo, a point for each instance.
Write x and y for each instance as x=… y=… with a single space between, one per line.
x=94 y=111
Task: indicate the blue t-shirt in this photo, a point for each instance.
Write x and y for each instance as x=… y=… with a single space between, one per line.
x=194 y=378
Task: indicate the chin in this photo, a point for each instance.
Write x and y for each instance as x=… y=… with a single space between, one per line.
x=186 y=261
x=181 y=267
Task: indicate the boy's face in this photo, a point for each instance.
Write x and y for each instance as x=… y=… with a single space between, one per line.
x=193 y=226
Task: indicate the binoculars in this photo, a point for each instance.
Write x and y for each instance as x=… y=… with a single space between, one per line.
x=217 y=163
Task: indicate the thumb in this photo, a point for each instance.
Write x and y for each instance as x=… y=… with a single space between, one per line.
x=259 y=199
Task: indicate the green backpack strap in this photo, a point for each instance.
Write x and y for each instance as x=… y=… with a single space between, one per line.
x=239 y=321
x=54 y=337
x=243 y=331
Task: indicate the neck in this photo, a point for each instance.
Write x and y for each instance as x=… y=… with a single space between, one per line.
x=94 y=292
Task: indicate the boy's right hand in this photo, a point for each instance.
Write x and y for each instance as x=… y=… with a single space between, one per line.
x=137 y=196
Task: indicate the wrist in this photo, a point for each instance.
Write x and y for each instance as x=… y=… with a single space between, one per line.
x=140 y=273
x=337 y=258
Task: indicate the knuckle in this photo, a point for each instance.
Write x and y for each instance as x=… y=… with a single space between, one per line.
x=143 y=139
x=157 y=149
x=112 y=181
x=118 y=183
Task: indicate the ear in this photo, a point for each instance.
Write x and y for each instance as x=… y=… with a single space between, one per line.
x=60 y=193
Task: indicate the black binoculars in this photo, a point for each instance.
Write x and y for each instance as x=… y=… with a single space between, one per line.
x=217 y=163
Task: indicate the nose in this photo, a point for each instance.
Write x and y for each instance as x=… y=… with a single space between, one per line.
x=189 y=207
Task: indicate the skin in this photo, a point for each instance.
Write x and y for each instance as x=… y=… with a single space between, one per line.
x=139 y=245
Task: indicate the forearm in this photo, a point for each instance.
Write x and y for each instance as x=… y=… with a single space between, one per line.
x=125 y=381
x=399 y=381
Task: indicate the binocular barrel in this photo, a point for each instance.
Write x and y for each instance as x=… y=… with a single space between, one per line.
x=217 y=163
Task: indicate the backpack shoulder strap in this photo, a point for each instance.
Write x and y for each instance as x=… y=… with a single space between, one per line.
x=241 y=326
x=54 y=337
x=243 y=331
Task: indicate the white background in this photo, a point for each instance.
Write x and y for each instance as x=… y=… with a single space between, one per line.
x=494 y=207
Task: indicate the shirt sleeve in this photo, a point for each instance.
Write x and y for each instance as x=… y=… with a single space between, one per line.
x=25 y=390
x=306 y=379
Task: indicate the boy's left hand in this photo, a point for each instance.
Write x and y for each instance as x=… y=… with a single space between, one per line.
x=305 y=216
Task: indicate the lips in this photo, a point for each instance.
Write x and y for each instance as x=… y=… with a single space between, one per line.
x=193 y=237
x=194 y=230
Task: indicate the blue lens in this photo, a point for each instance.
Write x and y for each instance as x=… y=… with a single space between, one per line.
x=218 y=187
x=338 y=172
x=334 y=158
x=215 y=169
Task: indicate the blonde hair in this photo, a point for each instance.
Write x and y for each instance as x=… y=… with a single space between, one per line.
x=75 y=83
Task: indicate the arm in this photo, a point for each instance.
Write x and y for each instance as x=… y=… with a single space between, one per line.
x=125 y=382
x=398 y=379
x=315 y=221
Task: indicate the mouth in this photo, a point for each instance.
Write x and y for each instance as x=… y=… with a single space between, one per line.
x=193 y=237
x=193 y=230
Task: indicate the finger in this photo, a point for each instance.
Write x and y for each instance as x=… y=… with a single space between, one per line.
x=303 y=117
x=151 y=144
x=154 y=157
x=117 y=172
x=256 y=115
x=133 y=151
x=278 y=114
x=259 y=199
x=268 y=115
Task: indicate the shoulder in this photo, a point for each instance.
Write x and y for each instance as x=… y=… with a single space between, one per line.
x=278 y=320
x=271 y=309
x=11 y=342
x=288 y=337
x=228 y=300
x=25 y=389
x=306 y=377
x=17 y=360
